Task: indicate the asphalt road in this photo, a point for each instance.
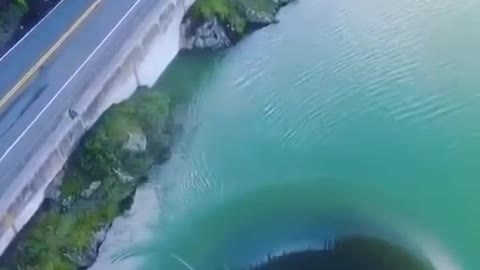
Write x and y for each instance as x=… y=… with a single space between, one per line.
x=26 y=121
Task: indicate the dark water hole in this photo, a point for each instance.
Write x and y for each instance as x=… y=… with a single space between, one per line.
x=348 y=253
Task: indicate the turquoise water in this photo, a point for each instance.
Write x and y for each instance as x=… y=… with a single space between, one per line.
x=347 y=117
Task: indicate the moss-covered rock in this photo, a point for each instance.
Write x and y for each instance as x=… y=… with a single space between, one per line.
x=99 y=182
x=216 y=24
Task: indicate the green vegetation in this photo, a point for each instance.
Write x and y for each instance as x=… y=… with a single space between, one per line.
x=226 y=10
x=11 y=13
x=146 y=113
x=66 y=229
x=22 y=5
x=233 y=12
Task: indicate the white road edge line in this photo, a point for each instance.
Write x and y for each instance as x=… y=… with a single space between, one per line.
x=31 y=30
x=69 y=80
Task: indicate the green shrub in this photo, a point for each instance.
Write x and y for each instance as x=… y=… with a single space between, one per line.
x=226 y=10
x=99 y=154
x=22 y=5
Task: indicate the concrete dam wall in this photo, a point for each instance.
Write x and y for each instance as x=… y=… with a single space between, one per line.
x=148 y=45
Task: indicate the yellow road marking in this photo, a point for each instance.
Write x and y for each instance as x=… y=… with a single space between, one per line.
x=18 y=86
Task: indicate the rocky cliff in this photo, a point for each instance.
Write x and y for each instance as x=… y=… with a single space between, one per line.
x=218 y=24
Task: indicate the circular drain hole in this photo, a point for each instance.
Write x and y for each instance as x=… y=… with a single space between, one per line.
x=349 y=253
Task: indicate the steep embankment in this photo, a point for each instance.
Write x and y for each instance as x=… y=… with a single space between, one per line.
x=98 y=183
x=217 y=24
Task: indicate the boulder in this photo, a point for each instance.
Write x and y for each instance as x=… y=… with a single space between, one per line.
x=123 y=176
x=66 y=203
x=53 y=194
x=87 y=193
x=136 y=143
x=209 y=35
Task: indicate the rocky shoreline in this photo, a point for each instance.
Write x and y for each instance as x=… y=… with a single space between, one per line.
x=219 y=24
x=100 y=178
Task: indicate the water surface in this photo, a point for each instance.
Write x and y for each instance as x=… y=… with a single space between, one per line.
x=347 y=117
